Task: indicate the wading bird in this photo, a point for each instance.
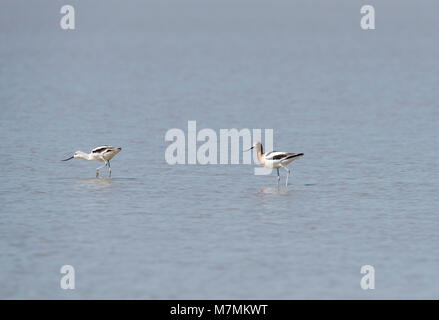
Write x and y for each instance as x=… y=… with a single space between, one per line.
x=275 y=159
x=103 y=154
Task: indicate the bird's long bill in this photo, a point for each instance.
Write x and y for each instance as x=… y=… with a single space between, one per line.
x=248 y=149
x=68 y=159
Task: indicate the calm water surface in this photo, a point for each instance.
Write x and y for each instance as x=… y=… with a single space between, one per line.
x=361 y=105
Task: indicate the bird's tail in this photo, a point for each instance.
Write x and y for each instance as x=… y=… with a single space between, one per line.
x=294 y=156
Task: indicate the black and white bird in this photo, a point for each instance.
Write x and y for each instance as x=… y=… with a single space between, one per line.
x=102 y=154
x=275 y=159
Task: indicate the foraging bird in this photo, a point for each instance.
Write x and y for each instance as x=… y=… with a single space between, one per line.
x=103 y=154
x=275 y=159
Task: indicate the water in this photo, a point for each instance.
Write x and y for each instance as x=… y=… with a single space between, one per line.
x=361 y=105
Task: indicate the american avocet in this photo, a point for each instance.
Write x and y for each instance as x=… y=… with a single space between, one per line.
x=103 y=154
x=275 y=159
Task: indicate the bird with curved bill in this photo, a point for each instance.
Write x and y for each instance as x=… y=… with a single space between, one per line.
x=275 y=159
x=102 y=154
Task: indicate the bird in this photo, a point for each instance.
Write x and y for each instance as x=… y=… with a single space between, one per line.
x=275 y=159
x=103 y=154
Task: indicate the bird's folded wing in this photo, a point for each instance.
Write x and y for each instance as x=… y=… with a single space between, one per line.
x=277 y=155
x=100 y=149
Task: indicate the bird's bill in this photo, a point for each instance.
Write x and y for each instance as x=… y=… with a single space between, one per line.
x=68 y=158
x=248 y=149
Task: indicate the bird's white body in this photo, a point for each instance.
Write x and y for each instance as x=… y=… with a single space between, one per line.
x=278 y=159
x=275 y=159
x=102 y=154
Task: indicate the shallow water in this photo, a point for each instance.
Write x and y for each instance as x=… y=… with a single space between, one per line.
x=361 y=105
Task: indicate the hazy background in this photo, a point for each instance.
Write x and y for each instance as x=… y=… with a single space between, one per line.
x=361 y=105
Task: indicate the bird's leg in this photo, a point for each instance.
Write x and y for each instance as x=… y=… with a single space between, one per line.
x=109 y=169
x=288 y=174
x=278 y=176
x=97 y=170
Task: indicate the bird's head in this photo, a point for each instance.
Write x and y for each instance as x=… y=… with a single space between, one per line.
x=257 y=146
x=77 y=154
